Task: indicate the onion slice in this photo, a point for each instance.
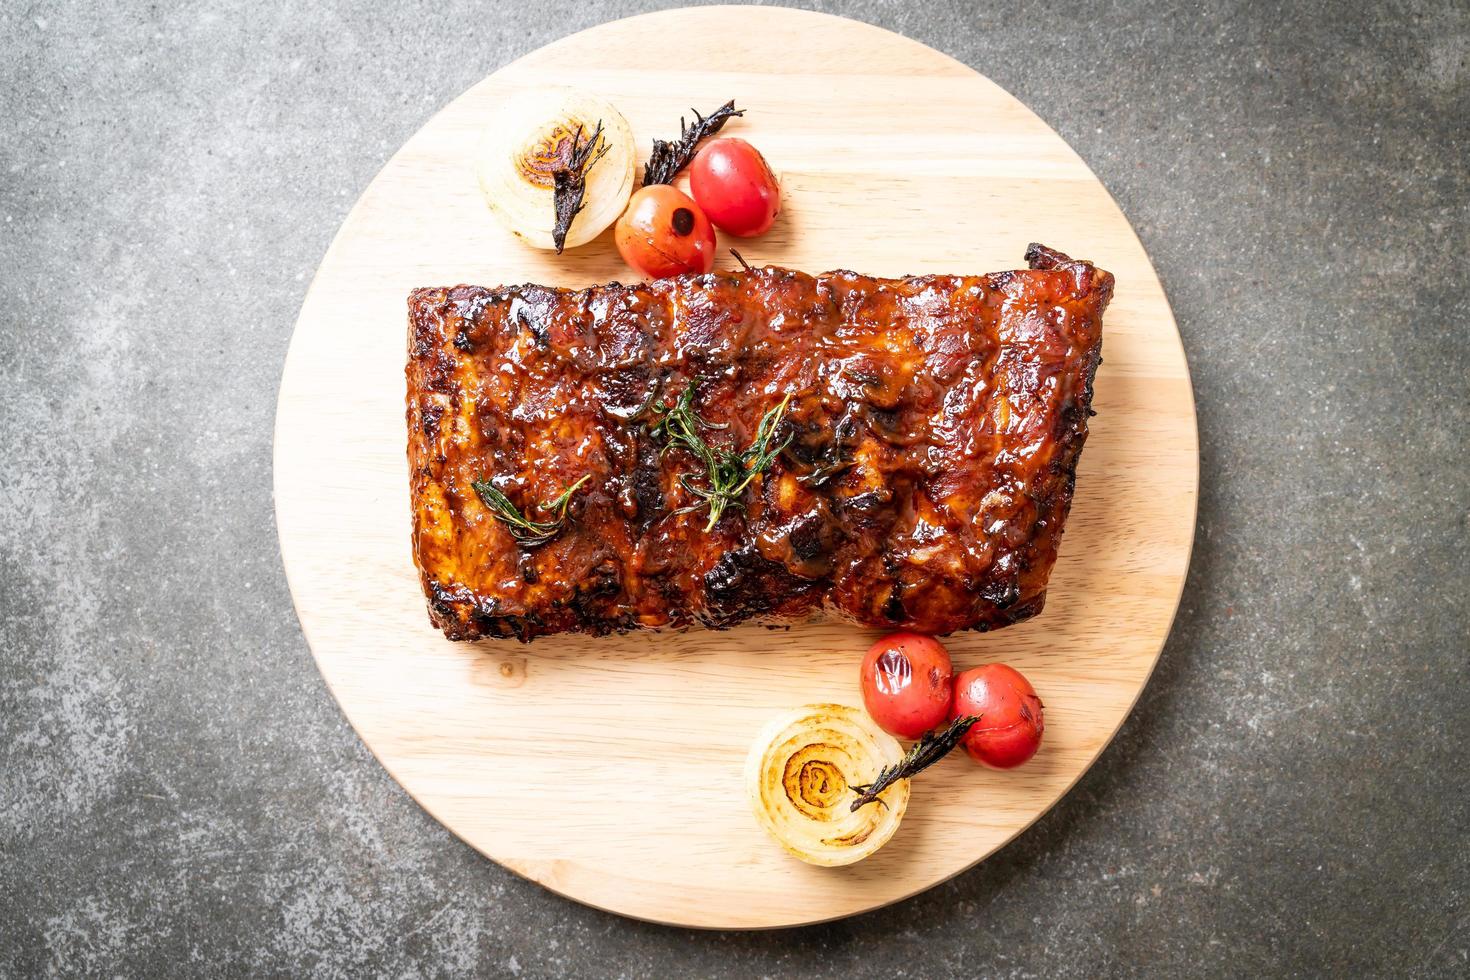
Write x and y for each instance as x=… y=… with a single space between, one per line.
x=800 y=774
x=527 y=136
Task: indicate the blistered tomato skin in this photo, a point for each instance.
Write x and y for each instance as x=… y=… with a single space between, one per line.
x=1010 y=726
x=732 y=182
x=907 y=682
x=664 y=233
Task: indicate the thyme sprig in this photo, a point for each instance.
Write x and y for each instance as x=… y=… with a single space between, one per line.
x=525 y=530
x=726 y=473
x=926 y=751
x=668 y=158
x=569 y=180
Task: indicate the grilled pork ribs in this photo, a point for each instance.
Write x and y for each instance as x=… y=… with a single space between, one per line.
x=923 y=465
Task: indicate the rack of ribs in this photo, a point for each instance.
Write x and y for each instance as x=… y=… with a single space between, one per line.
x=927 y=452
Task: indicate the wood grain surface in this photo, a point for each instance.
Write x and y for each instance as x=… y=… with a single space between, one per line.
x=609 y=769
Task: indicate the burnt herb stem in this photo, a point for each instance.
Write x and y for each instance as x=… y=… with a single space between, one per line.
x=525 y=530
x=668 y=158
x=926 y=751
x=569 y=180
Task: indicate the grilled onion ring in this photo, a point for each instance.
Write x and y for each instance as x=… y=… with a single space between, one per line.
x=800 y=774
x=525 y=138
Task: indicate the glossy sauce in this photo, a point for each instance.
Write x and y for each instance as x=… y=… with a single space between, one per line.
x=934 y=428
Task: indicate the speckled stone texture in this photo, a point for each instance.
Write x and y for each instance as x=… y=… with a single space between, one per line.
x=178 y=792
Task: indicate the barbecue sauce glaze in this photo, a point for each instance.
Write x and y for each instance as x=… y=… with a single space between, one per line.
x=935 y=426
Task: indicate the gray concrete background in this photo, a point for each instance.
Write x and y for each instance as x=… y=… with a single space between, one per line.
x=178 y=792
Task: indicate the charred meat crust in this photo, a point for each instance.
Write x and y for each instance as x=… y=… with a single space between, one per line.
x=934 y=429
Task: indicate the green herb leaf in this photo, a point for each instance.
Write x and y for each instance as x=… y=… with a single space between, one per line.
x=526 y=531
x=725 y=474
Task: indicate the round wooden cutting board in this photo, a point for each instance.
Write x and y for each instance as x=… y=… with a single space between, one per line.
x=609 y=769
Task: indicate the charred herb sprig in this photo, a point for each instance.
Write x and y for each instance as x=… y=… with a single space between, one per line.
x=569 y=180
x=726 y=473
x=668 y=158
x=526 y=531
x=927 y=751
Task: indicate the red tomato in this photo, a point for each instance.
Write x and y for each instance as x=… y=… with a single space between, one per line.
x=730 y=180
x=664 y=233
x=1009 y=730
x=906 y=684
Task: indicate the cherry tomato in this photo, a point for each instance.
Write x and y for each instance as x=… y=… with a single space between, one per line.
x=906 y=684
x=664 y=233
x=1009 y=730
x=731 y=181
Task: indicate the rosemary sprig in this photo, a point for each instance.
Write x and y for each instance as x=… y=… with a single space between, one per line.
x=927 y=751
x=569 y=180
x=667 y=158
x=726 y=473
x=526 y=531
